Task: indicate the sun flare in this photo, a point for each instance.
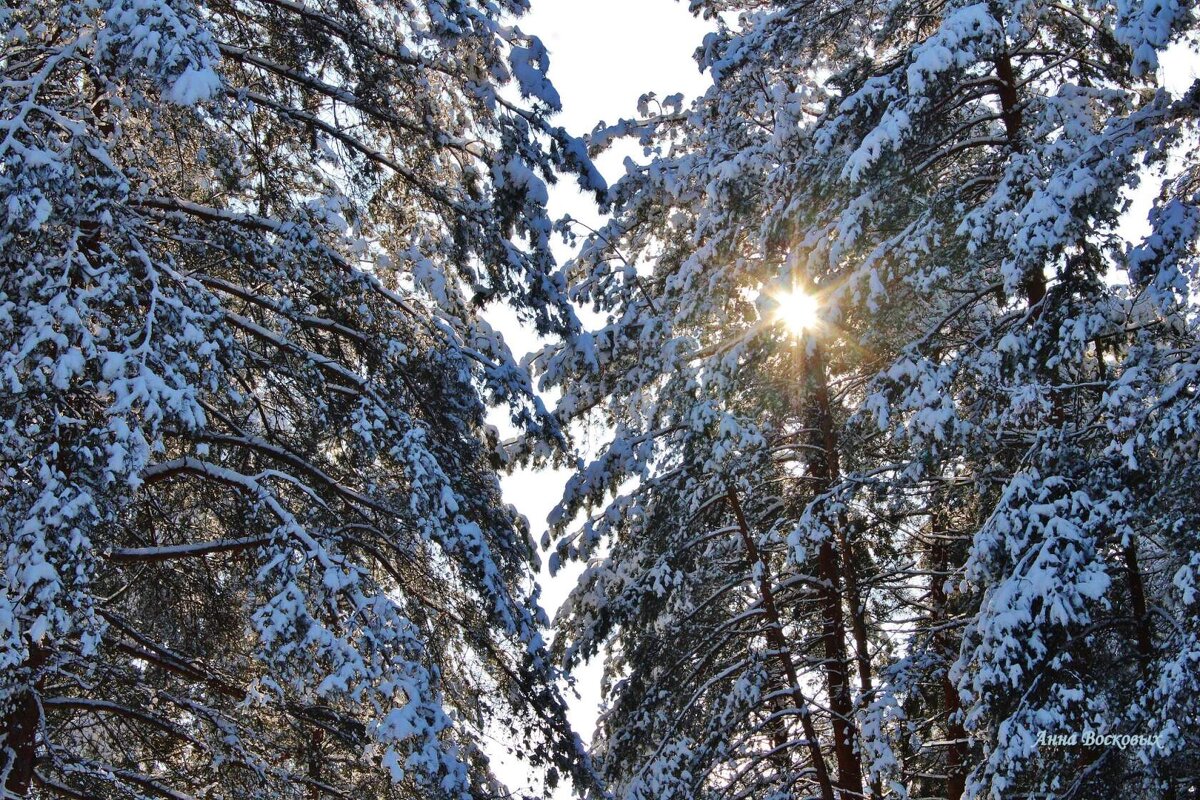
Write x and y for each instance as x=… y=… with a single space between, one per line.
x=797 y=310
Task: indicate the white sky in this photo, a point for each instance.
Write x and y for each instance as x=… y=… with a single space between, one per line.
x=598 y=81
x=604 y=54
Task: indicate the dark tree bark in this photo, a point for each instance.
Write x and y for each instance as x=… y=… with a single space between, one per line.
x=22 y=720
x=835 y=571
x=776 y=642
x=956 y=751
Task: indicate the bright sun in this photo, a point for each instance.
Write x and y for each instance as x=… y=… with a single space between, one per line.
x=797 y=310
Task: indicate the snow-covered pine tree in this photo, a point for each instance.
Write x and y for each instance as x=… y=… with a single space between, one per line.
x=990 y=428
x=253 y=538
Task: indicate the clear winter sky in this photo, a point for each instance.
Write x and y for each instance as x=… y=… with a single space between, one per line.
x=604 y=54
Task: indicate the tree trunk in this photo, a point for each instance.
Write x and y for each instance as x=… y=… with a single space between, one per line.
x=835 y=570
x=21 y=723
x=775 y=641
x=314 y=763
x=1137 y=597
x=1033 y=286
x=956 y=774
x=1010 y=109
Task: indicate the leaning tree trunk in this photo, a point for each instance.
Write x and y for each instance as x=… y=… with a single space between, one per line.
x=776 y=642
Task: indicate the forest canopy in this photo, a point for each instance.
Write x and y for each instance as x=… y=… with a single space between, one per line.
x=896 y=400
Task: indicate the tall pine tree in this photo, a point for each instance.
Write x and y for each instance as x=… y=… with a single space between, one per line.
x=949 y=517
x=253 y=539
